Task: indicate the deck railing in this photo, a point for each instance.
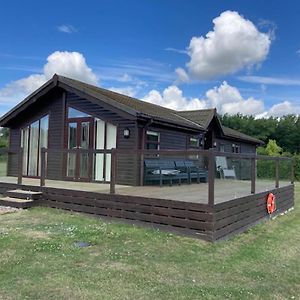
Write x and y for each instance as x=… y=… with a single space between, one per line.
x=208 y=155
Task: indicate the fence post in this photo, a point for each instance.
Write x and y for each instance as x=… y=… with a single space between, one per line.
x=113 y=171
x=293 y=170
x=211 y=177
x=43 y=166
x=253 y=174
x=277 y=172
x=20 y=166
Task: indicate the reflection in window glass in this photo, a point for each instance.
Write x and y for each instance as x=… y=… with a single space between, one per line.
x=152 y=140
x=24 y=143
x=194 y=142
x=33 y=138
x=33 y=149
x=72 y=142
x=74 y=113
x=44 y=125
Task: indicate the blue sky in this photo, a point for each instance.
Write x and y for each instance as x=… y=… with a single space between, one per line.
x=135 y=47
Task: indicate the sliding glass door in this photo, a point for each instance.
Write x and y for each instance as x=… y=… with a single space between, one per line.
x=33 y=138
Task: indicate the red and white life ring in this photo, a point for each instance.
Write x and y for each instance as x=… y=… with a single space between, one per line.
x=271 y=203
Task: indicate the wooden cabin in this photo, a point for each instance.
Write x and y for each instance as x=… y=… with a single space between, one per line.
x=68 y=114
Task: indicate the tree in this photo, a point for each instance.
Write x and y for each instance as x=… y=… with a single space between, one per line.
x=273 y=149
x=3 y=137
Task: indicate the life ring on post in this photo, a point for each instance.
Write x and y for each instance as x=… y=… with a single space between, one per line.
x=271 y=203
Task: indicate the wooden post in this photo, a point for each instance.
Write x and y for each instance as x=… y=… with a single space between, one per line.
x=142 y=157
x=211 y=177
x=43 y=167
x=253 y=175
x=20 y=166
x=293 y=161
x=113 y=171
x=277 y=173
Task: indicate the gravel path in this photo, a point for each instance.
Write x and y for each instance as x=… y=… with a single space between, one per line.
x=7 y=209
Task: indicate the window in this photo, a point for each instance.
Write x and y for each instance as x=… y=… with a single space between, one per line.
x=74 y=113
x=222 y=148
x=33 y=138
x=236 y=148
x=152 y=140
x=194 y=142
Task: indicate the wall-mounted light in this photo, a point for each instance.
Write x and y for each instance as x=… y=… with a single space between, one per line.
x=126 y=133
x=215 y=144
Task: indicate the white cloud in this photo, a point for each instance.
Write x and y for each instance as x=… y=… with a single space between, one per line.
x=179 y=51
x=65 y=28
x=182 y=75
x=70 y=64
x=270 y=80
x=281 y=109
x=173 y=98
x=234 y=43
x=226 y=98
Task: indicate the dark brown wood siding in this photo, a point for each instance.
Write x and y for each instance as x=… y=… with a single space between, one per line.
x=50 y=104
x=237 y=215
x=244 y=147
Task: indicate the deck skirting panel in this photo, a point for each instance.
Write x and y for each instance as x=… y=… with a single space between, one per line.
x=192 y=219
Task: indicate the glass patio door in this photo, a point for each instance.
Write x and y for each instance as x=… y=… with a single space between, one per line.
x=79 y=137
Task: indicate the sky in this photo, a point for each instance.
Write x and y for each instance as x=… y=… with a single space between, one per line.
x=238 y=56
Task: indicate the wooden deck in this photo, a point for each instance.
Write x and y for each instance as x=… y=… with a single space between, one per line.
x=225 y=190
x=181 y=209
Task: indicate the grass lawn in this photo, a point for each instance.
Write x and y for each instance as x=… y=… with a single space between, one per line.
x=40 y=261
x=2 y=168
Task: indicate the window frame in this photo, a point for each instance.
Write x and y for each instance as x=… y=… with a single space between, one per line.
x=197 y=139
x=148 y=142
x=235 y=148
x=28 y=127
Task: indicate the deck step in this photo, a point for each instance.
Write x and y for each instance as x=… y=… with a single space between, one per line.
x=16 y=202
x=22 y=194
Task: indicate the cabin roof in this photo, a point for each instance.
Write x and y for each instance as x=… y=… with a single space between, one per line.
x=194 y=119
x=204 y=117
x=130 y=104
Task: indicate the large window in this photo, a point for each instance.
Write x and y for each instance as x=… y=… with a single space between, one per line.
x=33 y=138
x=152 y=140
x=105 y=138
x=74 y=113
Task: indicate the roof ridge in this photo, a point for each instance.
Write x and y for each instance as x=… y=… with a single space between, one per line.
x=197 y=110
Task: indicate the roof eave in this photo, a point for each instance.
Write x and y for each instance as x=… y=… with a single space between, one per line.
x=169 y=123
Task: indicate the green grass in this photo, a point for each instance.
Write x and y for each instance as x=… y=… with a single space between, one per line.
x=39 y=260
x=2 y=168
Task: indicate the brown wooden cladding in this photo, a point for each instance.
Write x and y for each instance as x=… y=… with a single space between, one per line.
x=189 y=218
x=51 y=104
x=237 y=215
x=194 y=219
